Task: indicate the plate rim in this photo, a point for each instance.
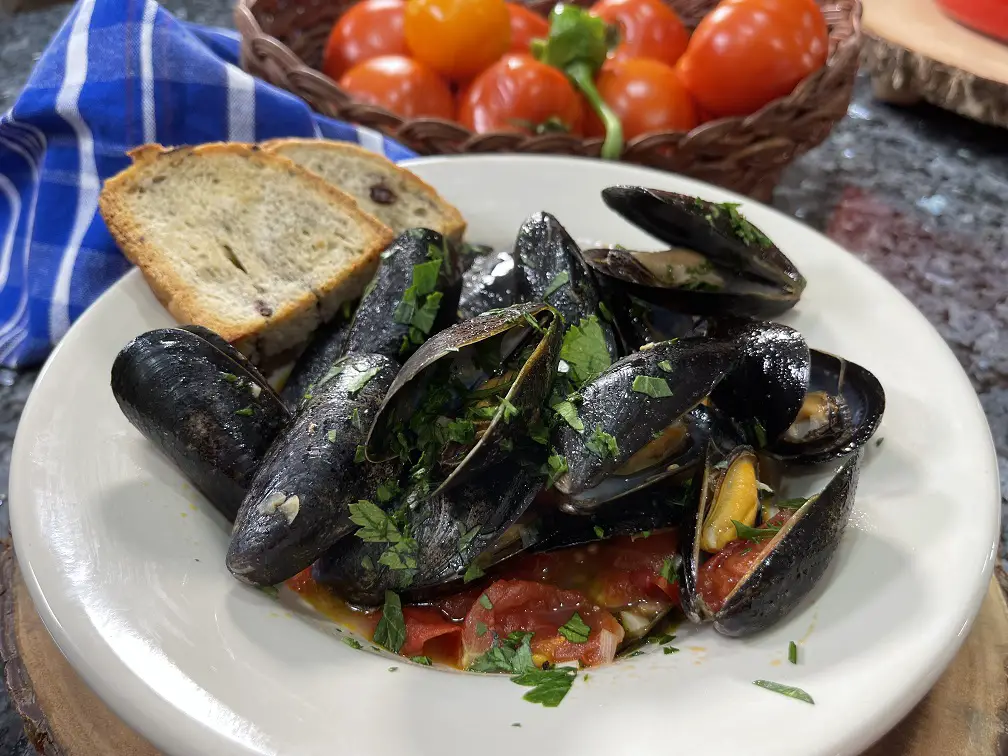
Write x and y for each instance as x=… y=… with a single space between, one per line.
x=145 y=722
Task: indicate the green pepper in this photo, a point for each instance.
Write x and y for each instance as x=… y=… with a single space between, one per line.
x=578 y=44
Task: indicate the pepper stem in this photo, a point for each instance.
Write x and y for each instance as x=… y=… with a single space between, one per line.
x=581 y=74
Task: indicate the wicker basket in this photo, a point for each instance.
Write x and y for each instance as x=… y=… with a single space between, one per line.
x=283 y=40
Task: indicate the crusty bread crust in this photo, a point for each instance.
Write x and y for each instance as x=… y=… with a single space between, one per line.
x=454 y=224
x=262 y=334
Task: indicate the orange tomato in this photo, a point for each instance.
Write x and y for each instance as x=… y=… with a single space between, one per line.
x=747 y=53
x=457 y=38
x=646 y=96
x=401 y=85
x=648 y=29
x=525 y=26
x=518 y=93
x=369 y=29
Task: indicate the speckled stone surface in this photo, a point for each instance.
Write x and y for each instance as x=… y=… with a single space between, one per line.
x=919 y=194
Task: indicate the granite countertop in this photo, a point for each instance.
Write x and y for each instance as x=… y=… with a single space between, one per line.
x=919 y=194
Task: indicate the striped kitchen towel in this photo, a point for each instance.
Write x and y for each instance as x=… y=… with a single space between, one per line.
x=118 y=73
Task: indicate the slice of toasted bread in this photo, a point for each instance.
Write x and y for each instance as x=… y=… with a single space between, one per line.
x=392 y=194
x=242 y=241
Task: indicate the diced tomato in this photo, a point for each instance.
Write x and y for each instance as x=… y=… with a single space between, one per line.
x=721 y=573
x=527 y=606
x=457 y=606
x=423 y=625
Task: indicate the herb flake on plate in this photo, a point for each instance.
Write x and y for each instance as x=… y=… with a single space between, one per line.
x=575 y=630
x=785 y=690
x=391 y=630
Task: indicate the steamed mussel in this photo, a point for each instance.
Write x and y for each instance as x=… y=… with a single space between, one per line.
x=599 y=434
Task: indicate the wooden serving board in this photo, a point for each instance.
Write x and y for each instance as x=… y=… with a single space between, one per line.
x=963 y=715
x=915 y=52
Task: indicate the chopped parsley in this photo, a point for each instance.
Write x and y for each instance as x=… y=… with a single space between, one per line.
x=485 y=602
x=666 y=366
x=560 y=279
x=538 y=432
x=796 y=503
x=391 y=629
x=785 y=690
x=662 y=639
x=361 y=380
x=245 y=411
x=584 y=350
x=388 y=489
x=473 y=572
x=569 y=413
x=331 y=437
x=759 y=434
x=656 y=388
x=513 y=656
x=355 y=419
x=792 y=652
x=419 y=305
x=556 y=465
x=743 y=229
x=466 y=539
x=575 y=630
x=606 y=312
x=602 y=444
x=425 y=660
x=352 y=642
x=375 y=524
x=359 y=455
x=230 y=377
x=549 y=686
x=481 y=629
x=754 y=534
x=670 y=650
x=670 y=569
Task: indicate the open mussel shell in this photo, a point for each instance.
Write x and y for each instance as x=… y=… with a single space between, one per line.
x=412 y=296
x=638 y=322
x=489 y=284
x=549 y=268
x=204 y=405
x=297 y=504
x=675 y=453
x=449 y=532
x=789 y=564
x=716 y=261
x=765 y=390
x=840 y=413
x=492 y=373
x=634 y=406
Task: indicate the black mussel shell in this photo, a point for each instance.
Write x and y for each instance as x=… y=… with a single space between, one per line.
x=791 y=564
x=549 y=268
x=765 y=390
x=468 y=254
x=489 y=284
x=516 y=349
x=204 y=405
x=700 y=425
x=855 y=401
x=326 y=346
x=638 y=322
x=448 y=532
x=637 y=397
x=297 y=505
x=717 y=262
x=412 y=296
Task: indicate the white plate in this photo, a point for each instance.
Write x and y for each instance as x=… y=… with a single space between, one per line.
x=125 y=561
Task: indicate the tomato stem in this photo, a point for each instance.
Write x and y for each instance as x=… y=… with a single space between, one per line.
x=582 y=75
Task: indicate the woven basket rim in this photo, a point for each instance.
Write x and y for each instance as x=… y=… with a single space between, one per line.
x=839 y=54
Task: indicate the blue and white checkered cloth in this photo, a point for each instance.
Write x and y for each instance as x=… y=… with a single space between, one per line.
x=118 y=73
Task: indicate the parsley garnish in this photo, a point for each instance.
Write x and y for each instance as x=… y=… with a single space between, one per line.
x=359 y=455
x=419 y=306
x=556 y=466
x=425 y=660
x=662 y=639
x=355 y=418
x=575 y=630
x=230 y=377
x=656 y=388
x=670 y=569
x=666 y=366
x=759 y=432
x=538 y=432
x=466 y=539
x=599 y=532
x=670 y=650
x=606 y=312
x=792 y=652
x=352 y=642
x=560 y=279
x=743 y=229
x=754 y=534
x=513 y=656
x=878 y=443
x=331 y=437
x=473 y=572
x=569 y=413
x=388 y=489
x=391 y=630
x=584 y=350
x=245 y=411
x=332 y=372
x=481 y=629
x=485 y=602
x=785 y=690
x=796 y=503
x=375 y=524
x=602 y=444
x=549 y=686
x=361 y=380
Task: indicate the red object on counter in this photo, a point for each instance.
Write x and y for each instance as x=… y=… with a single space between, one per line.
x=988 y=17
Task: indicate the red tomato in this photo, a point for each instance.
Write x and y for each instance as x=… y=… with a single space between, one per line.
x=457 y=38
x=422 y=626
x=648 y=29
x=525 y=26
x=518 y=93
x=749 y=52
x=520 y=605
x=646 y=95
x=721 y=573
x=369 y=29
x=986 y=16
x=401 y=85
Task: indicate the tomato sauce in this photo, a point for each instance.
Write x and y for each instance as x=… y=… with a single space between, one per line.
x=536 y=593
